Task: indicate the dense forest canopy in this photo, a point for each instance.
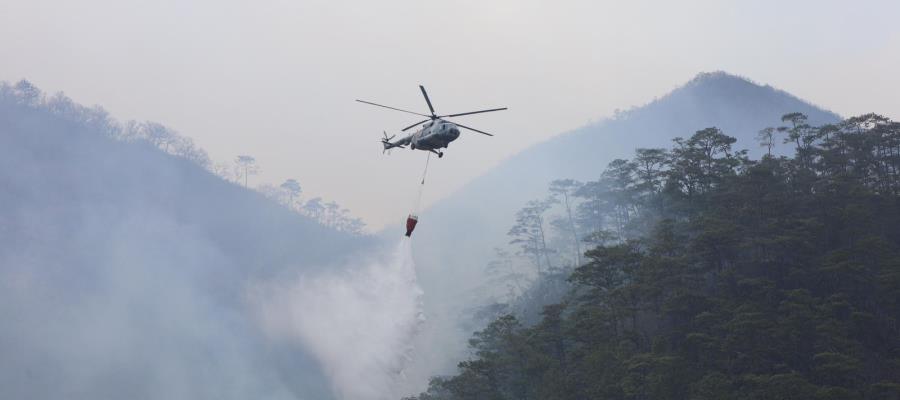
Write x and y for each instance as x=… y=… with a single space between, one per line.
x=479 y=216
x=708 y=275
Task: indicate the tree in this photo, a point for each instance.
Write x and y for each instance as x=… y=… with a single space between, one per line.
x=314 y=208
x=158 y=135
x=565 y=189
x=592 y=209
x=621 y=191
x=766 y=139
x=529 y=234
x=185 y=148
x=649 y=165
x=246 y=166
x=701 y=161
x=292 y=187
x=332 y=213
x=798 y=133
x=27 y=93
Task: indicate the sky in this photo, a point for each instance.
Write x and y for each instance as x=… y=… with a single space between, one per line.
x=277 y=79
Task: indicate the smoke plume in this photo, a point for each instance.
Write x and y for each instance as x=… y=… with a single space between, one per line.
x=358 y=323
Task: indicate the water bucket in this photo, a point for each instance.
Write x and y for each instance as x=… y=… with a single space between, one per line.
x=411 y=222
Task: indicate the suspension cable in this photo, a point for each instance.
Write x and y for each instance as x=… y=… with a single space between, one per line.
x=422 y=186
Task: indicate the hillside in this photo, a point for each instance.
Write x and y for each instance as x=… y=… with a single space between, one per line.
x=720 y=277
x=459 y=233
x=124 y=270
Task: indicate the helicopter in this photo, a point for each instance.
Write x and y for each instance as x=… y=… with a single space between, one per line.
x=436 y=132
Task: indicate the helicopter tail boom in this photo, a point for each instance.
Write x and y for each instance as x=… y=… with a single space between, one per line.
x=386 y=142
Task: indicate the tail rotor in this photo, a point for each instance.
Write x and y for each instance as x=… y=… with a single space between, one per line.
x=386 y=142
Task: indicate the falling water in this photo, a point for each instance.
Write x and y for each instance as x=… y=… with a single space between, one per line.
x=358 y=323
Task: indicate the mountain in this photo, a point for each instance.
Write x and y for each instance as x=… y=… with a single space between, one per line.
x=456 y=236
x=125 y=270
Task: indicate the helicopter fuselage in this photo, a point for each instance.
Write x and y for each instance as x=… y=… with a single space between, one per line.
x=434 y=135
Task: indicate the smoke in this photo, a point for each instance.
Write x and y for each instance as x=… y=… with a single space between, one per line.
x=358 y=322
x=124 y=270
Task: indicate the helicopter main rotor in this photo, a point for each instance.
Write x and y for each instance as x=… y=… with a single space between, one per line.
x=434 y=115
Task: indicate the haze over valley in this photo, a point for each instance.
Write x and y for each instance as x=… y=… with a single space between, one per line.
x=665 y=201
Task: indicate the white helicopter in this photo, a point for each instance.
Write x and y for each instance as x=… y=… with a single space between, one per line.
x=436 y=132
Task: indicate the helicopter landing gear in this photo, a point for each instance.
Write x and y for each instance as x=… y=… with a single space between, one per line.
x=439 y=153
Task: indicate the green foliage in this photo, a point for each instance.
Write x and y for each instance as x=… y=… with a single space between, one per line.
x=718 y=277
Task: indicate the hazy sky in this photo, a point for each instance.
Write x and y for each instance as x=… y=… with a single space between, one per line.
x=277 y=79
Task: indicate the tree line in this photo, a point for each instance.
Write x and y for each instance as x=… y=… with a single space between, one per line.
x=707 y=275
x=167 y=140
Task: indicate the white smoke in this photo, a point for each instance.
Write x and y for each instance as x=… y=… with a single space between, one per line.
x=359 y=323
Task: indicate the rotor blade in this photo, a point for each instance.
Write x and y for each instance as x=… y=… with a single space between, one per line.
x=472 y=129
x=427 y=100
x=472 y=112
x=416 y=124
x=392 y=108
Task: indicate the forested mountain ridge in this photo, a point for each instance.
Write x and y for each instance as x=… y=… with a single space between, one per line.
x=712 y=275
x=471 y=223
x=125 y=264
